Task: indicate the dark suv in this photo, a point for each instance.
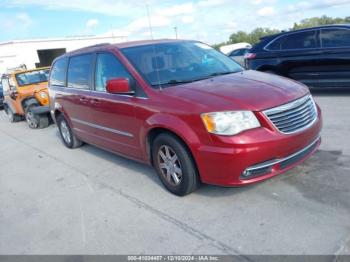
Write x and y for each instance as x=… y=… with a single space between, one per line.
x=317 y=57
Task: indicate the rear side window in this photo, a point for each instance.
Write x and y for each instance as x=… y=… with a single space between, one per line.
x=79 y=71
x=302 y=40
x=335 y=38
x=108 y=67
x=58 y=72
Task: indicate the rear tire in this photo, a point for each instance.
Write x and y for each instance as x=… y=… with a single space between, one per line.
x=67 y=135
x=174 y=165
x=12 y=116
x=35 y=121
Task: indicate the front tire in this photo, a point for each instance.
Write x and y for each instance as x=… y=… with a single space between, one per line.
x=35 y=121
x=174 y=165
x=67 y=135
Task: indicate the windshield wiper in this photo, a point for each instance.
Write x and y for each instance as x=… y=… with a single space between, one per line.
x=176 y=82
x=222 y=73
x=173 y=82
x=217 y=74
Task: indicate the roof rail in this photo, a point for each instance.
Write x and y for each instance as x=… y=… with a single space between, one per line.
x=102 y=44
x=87 y=47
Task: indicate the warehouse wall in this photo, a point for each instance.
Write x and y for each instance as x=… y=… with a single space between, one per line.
x=13 y=54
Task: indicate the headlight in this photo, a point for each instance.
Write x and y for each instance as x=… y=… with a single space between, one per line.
x=43 y=95
x=229 y=123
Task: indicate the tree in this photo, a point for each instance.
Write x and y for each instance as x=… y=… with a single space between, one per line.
x=254 y=36
x=323 y=20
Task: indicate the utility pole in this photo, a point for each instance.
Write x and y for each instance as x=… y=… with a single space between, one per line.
x=149 y=21
x=112 y=30
x=175 y=29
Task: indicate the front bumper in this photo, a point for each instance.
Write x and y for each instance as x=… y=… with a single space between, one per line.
x=266 y=151
x=38 y=110
x=276 y=165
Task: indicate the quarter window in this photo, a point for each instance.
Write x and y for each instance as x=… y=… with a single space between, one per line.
x=58 y=72
x=335 y=38
x=79 y=71
x=108 y=67
x=275 y=45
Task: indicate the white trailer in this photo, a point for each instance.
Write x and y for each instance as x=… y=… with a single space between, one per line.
x=226 y=49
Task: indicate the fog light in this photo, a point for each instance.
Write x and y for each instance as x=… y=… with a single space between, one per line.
x=256 y=172
x=246 y=173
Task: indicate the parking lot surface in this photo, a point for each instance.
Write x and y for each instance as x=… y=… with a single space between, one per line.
x=88 y=201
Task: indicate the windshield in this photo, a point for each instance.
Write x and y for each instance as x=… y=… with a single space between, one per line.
x=168 y=64
x=32 y=77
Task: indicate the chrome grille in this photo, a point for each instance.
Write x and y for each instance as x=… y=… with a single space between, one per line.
x=294 y=116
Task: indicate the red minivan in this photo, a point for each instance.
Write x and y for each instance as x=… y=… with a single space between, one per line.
x=185 y=108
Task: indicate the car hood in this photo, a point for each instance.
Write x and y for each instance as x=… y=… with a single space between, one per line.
x=247 y=90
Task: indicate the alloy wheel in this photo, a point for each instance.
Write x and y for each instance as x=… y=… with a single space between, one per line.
x=31 y=120
x=65 y=132
x=169 y=165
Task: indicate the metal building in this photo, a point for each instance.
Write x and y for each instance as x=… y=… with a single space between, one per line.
x=41 y=52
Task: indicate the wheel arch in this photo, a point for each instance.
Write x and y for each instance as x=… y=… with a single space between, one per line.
x=8 y=105
x=171 y=125
x=29 y=101
x=57 y=111
x=56 y=114
x=155 y=132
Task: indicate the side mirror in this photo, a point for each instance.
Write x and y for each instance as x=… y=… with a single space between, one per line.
x=119 y=86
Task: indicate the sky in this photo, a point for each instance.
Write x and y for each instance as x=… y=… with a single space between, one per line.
x=210 y=21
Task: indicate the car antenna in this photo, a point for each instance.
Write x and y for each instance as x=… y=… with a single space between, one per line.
x=149 y=21
x=157 y=66
x=154 y=48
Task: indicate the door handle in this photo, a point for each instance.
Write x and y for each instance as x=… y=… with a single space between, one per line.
x=83 y=99
x=95 y=101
